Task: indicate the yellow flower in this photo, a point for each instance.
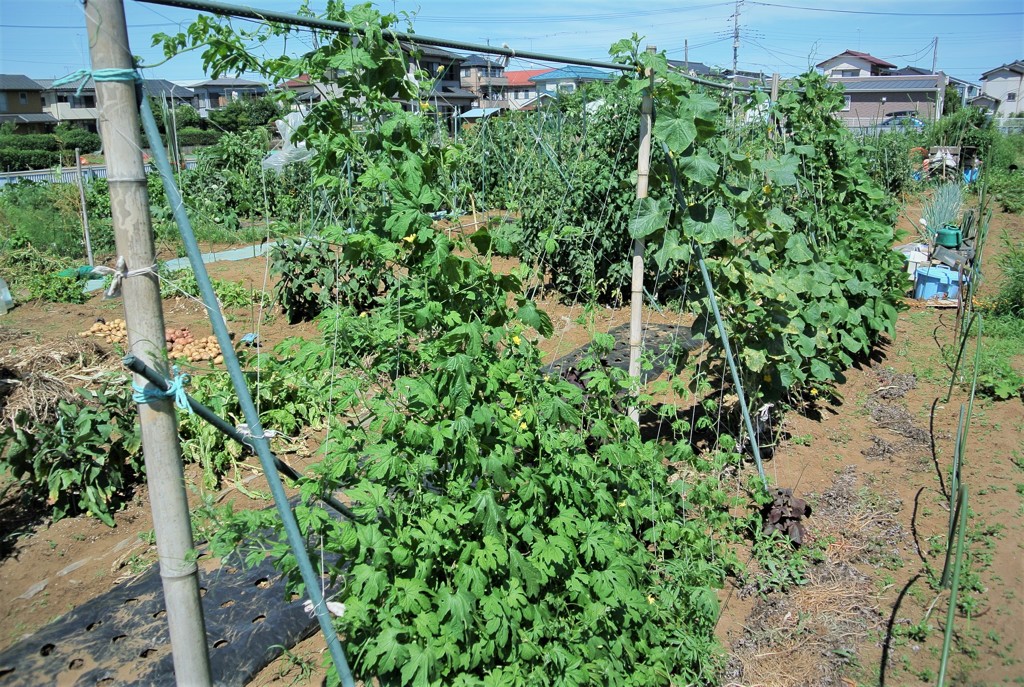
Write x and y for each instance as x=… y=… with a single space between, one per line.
x=516 y=340
x=622 y=504
x=767 y=189
x=410 y=238
x=516 y=413
x=650 y=600
x=767 y=378
x=522 y=425
x=362 y=314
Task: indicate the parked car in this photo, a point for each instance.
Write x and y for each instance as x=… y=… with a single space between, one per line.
x=900 y=123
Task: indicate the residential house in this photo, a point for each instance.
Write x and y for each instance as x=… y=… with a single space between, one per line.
x=874 y=91
x=851 y=64
x=692 y=68
x=567 y=79
x=742 y=77
x=870 y=99
x=965 y=89
x=71 y=103
x=168 y=91
x=519 y=89
x=486 y=79
x=1006 y=85
x=75 y=103
x=447 y=97
x=21 y=104
x=215 y=94
x=307 y=92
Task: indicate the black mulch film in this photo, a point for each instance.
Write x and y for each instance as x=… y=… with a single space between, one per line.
x=121 y=638
x=659 y=340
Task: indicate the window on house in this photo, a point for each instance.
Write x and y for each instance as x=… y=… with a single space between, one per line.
x=1011 y=96
x=847 y=100
x=23 y=98
x=845 y=72
x=566 y=87
x=3 y=102
x=465 y=72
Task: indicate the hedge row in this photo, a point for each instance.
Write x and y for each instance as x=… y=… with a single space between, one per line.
x=193 y=136
x=13 y=160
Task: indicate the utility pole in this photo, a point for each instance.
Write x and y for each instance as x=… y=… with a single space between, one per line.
x=143 y=311
x=935 y=54
x=736 y=39
x=686 y=54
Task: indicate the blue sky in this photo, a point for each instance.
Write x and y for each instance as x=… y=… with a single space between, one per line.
x=46 y=38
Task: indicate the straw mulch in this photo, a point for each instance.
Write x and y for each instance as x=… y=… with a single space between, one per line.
x=36 y=376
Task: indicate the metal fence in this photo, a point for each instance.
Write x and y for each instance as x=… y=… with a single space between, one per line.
x=66 y=175
x=1009 y=125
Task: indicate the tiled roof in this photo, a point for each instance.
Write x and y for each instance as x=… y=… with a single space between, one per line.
x=246 y=83
x=479 y=61
x=166 y=89
x=18 y=82
x=522 y=78
x=928 y=82
x=430 y=51
x=698 y=68
x=871 y=59
x=297 y=82
x=29 y=118
x=574 y=73
x=1017 y=67
x=911 y=71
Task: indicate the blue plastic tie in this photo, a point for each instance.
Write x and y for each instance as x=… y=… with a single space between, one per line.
x=176 y=390
x=81 y=77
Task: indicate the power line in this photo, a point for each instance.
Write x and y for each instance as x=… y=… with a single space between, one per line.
x=531 y=19
x=888 y=14
x=82 y=28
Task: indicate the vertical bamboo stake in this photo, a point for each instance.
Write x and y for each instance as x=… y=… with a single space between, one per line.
x=85 y=213
x=118 y=114
x=643 y=171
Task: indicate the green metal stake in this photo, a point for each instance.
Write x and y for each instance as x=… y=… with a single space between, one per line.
x=295 y=539
x=721 y=328
x=138 y=366
x=951 y=613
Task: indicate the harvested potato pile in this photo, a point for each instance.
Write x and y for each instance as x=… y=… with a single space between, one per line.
x=115 y=331
x=180 y=342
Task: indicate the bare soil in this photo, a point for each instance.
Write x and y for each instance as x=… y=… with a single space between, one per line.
x=864 y=461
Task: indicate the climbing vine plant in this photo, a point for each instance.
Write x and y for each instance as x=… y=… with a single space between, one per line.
x=514 y=528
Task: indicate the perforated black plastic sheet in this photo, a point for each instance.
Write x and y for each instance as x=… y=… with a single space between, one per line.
x=121 y=637
x=659 y=342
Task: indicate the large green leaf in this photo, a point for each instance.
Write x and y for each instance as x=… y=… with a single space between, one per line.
x=649 y=217
x=718 y=227
x=797 y=249
x=677 y=132
x=699 y=168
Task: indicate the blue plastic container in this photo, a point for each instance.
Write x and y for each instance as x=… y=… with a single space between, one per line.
x=937 y=281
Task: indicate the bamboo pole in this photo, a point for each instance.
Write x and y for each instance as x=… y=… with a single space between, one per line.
x=296 y=541
x=636 y=301
x=85 y=212
x=129 y=204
